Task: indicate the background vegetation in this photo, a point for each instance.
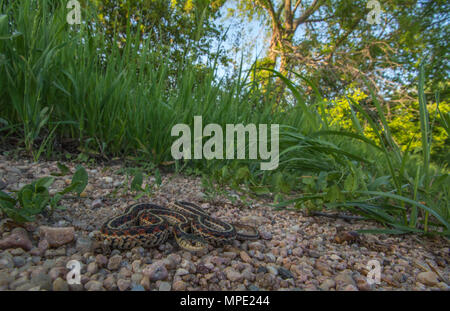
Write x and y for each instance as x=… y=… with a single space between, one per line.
x=113 y=86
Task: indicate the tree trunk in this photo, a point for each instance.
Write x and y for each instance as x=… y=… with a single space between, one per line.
x=277 y=52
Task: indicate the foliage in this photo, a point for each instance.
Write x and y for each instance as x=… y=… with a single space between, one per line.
x=406 y=195
x=60 y=82
x=138 y=180
x=182 y=28
x=332 y=42
x=34 y=198
x=403 y=122
x=405 y=127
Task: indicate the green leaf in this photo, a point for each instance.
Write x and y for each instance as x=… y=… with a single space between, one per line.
x=380 y=181
x=224 y=172
x=259 y=190
x=55 y=200
x=308 y=181
x=278 y=198
x=412 y=202
x=139 y=195
x=7 y=201
x=348 y=134
x=136 y=184
x=25 y=196
x=351 y=183
x=72 y=187
x=4 y=27
x=158 y=179
x=279 y=183
x=82 y=157
x=18 y=215
x=322 y=181
x=334 y=194
x=243 y=173
x=34 y=197
x=80 y=178
x=44 y=182
x=63 y=170
x=299 y=199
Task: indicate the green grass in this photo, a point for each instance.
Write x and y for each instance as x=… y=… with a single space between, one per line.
x=60 y=82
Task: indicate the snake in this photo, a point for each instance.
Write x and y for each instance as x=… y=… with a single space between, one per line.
x=149 y=225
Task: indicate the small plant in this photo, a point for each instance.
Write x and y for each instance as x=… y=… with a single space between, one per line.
x=35 y=198
x=211 y=192
x=138 y=179
x=63 y=170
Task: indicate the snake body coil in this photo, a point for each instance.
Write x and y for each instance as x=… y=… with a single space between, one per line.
x=149 y=225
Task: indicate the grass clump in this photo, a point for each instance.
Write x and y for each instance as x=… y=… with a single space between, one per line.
x=63 y=84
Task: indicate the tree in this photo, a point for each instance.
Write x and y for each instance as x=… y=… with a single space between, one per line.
x=182 y=28
x=333 y=43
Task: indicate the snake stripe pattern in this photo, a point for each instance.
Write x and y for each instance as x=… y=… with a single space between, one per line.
x=149 y=225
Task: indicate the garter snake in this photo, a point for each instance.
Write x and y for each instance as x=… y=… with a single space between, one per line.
x=149 y=225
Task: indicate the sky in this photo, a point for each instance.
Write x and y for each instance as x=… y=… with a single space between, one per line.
x=244 y=38
x=247 y=38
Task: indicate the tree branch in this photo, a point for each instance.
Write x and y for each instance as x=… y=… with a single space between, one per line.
x=319 y=19
x=280 y=9
x=267 y=4
x=343 y=38
x=296 y=6
x=288 y=17
x=310 y=11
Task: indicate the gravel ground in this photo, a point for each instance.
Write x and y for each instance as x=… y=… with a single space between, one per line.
x=295 y=252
